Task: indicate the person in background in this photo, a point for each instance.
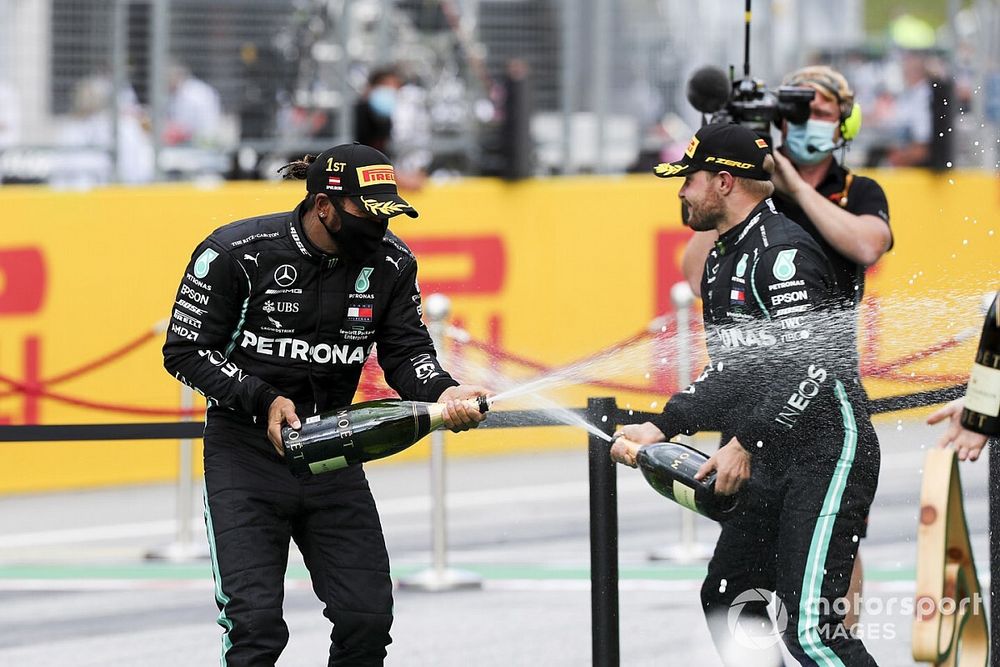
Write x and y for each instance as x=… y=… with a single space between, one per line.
x=87 y=138
x=847 y=214
x=10 y=117
x=373 y=111
x=914 y=115
x=411 y=135
x=194 y=112
x=391 y=116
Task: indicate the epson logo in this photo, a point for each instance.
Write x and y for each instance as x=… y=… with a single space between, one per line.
x=293 y=348
x=195 y=296
x=789 y=297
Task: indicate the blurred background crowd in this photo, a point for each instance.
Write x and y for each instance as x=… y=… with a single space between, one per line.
x=134 y=91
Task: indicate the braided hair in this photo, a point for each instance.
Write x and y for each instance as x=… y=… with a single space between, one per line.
x=296 y=171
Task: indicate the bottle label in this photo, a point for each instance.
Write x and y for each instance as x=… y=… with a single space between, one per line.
x=336 y=463
x=983 y=394
x=684 y=495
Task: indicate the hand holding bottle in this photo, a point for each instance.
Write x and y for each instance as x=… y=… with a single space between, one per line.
x=732 y=466
x=459 y=414
x=624 y=451
x=645 y=433
x=281 y=413
x=629 y=439
x=968 y=444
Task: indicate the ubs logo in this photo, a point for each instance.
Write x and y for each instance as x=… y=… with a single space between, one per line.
x=285 y=275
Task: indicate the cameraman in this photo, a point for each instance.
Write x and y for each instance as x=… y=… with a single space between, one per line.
x=848 y=215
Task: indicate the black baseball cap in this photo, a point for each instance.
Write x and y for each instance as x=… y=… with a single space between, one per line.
x=362 y=173
x=721 y=147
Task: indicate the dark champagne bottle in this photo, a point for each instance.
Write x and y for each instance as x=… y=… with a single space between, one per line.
x=361 y=432
x=669 y=468
x=982 y=397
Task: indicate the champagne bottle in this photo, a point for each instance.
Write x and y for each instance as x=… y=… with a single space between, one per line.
x=982 y=397
x=361 y=432
x=669 y=468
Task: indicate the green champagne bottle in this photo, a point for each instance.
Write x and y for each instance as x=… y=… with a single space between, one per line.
x=982 y=397
x=361 y=432
x=669 y=467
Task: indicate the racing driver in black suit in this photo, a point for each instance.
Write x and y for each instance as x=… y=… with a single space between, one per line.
x=784 y=398
x=274 y=318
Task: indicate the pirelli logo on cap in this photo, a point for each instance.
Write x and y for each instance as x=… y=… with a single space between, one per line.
x=761 y=143
x=692 y=147
x=376 y=174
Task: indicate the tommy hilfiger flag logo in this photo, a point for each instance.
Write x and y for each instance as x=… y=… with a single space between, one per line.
x=333 y=183
x=737 y=296
x=359 y=313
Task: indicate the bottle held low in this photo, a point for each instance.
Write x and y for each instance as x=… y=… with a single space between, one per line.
x=670 y=467
x=361 y=432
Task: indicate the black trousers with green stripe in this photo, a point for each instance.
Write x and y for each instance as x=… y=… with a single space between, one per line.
x=796 y=534
x=254 y=507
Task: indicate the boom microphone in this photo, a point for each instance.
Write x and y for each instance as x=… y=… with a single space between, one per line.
x=708 y=89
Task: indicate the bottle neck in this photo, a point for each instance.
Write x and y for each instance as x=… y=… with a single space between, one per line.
x=436 y=411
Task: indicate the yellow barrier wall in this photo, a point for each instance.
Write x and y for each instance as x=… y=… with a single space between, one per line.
x=551 y=270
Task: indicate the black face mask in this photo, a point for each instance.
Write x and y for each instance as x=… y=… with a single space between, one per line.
x=358 y=237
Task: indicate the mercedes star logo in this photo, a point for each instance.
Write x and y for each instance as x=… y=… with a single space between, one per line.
x=285 y=275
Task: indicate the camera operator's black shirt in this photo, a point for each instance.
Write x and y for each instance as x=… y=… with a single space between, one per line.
x=864 y=197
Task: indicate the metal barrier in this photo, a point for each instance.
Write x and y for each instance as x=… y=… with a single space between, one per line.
x=607 y=416
x=439 y=577
x=184 y=548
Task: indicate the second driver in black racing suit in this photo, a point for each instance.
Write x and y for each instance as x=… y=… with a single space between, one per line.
x=786 y=400
x=274 y=318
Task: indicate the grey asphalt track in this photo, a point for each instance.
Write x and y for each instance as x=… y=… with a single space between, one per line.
x=75 y=588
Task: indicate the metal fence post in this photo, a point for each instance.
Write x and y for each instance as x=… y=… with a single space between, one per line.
x=119 y=77
x=184 y=547
x=159 y=50
x=687 y=549
x=603 y=536
x=439 y=577
x=568 y=76
x=601 y=36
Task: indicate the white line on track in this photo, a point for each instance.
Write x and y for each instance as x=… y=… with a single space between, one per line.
x=456 y=500
x=581 y=584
